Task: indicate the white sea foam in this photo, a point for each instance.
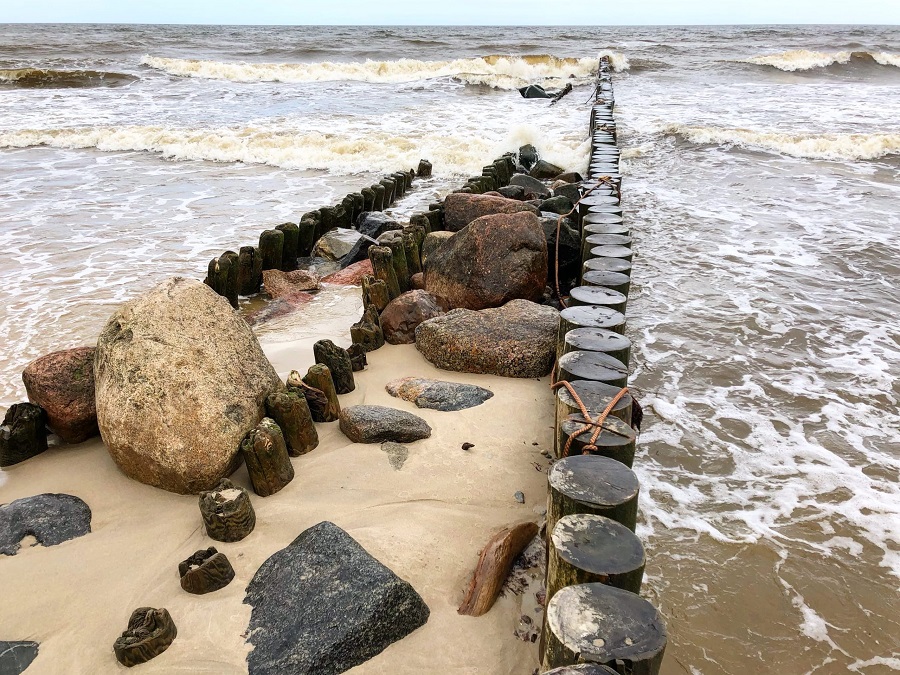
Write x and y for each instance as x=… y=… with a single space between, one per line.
x=801 y=144
x=502 y=72
x=804 y=59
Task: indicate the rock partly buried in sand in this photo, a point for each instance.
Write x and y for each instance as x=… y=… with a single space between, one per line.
x=461 y=209
x=377 y=423
x=150 y=632
x=437 y=394
x=205 y=571
x=400 y=318
x=23 y=434
x=50 y=518
x=397 y=454
x=489 y=262
x=15 y=657
x=62 y=383
x=516 y=340
x=352 y=275
x=180 y=381
x=227 y=512
x=280 y=284
x=324 y=605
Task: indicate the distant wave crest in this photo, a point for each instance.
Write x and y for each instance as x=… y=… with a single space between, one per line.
x=50 y=78
x=803 y=59
x=812 y=146
x=502 y=72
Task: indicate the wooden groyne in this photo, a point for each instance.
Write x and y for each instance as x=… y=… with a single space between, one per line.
x=595 y=567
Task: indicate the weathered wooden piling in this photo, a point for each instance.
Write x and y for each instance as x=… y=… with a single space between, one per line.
x=582 y=365
x=616 y=440
x=338 y=361
x=590 y=339
x=592 y=484
x=227 y=274
x=266 y=456
x=588 y=316
x=614 y=281
x=319 y=377
x=379 y=204
x=227 y=512
x=375 y=293
x=23 y=434
x=291 y=412
x=290 y=249
x=368 y=199
x=382 y=258
x=597 y=295
x=271 y=245
x=367 y=332
x=249 y=270
x=594 y=396
x=424 y=169
x=607 y=265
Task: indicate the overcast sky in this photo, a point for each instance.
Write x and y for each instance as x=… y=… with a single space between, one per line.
x=454 y=12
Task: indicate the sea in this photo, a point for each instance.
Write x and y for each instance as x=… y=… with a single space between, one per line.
x=761 y=169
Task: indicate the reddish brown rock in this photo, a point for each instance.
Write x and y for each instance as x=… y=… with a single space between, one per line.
x=352 y=275
x=400 y=318
x=280 y=284
x=417 y=281
x=277 y=308
x=62 y=383
x=489 y=262
x=461 y=209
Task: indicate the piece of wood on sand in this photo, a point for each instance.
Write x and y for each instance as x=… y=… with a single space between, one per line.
x=494 y=564
x=596 y=623
x=592 y=484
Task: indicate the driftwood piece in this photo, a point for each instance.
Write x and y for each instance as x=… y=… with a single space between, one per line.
x=494 y=564
x=150 y=632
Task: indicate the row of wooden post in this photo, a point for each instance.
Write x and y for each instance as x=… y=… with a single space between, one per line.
x=595 y=562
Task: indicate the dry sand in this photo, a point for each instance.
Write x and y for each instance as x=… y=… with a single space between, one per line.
x=427 y=522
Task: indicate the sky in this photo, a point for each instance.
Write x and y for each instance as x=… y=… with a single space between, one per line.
x=453 y=12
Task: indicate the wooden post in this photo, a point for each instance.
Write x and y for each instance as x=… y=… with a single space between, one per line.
x=319 y=377
x=591 y=339
x=597 y=295
x=616 y=439
x=592 y=484
x=379 y=204
x=306 y=237
x=249 y=270
x=382 y=258
x=227 y=512
x=398 y=257
x=592 y=241
x=375 y=293
x=502 y=171
x=606 y=265
x=23 y=433
x=291 y=247
x=623 y=252
x=411 y=242
x=390 y=191
x=596 y=623
x=349 y=205
x=271 y=244
x=357 y=357
x=291 y=412
x=227 y=277
x=436 y=218
x=614 y=281
x=205 y=572
x=403 y=182
x=424 y=170
x=581 y=365
x=585 y=548
x=338 y=361
x=369 y=199
x=595 y=396
x=367 y=331
x=327 y=222
x=267 y=459
x=588 y=316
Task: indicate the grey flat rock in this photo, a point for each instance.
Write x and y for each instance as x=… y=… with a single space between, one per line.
x=49 y=518
x=15 y=657
x=324 y=605
x=438 y=394
x=376 y=424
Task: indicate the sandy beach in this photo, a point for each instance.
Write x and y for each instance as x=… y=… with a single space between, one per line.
x=427 y=522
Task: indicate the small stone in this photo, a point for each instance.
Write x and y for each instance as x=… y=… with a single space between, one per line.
x=375 y=424
x=520 y=497
x=397 y=454
x=150 y=632
x=437 y=394
x=468 y=446
x=50 y=518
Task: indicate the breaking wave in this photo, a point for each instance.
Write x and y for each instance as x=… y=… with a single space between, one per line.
x=335 y=152
x=803 y=59
x=502 y=72
x=36 y=78
x=812 y=146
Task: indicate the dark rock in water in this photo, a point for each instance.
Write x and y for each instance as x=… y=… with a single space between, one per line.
x=528 y=156
x=15 y=657
x=545 y=170
x=357 y=355
x=560 y=205
x=50 y=518
x=150 y=632
x=268 y=463
x=512 y=192
x=516 y=340
x=319 y=266
x=62 y=383
x=569 y=252
x=462 y=209
x=570 y=177
x=336 y=244
x=205 y=572
x=404 y=313
x=359 y=252
x=227 y=512
x=437 y=394
x=531 y=185
x=324 y=605
x=397 y=454
x=280 y=284
x=489 y=262
x=338 y=361
x=376 y=424
x=375 y=223
x=23 y=433
x=533 y=91
x=570 y=191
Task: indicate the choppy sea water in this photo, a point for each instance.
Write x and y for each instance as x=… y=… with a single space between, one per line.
x=761 y=186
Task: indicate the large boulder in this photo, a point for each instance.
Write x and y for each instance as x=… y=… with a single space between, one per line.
x=50 y=518
x=532 y=186
x=373 y=224
x=545 y=170
x=336 y=244
x=280 y=284
x=180 y=380
x=516 y=340
x=461 y=209
x=62 y=383
x=16 y=656
x=433 y=241
x=489 y=262
x=400 y=318
x=324 y=605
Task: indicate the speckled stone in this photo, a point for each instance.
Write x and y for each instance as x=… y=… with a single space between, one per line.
x=376 y=424
x=437 y=394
